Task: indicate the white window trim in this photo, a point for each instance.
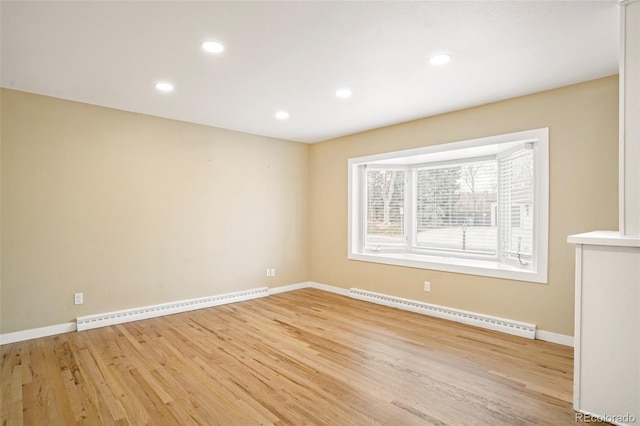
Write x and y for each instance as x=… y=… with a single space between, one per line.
x=472 y=148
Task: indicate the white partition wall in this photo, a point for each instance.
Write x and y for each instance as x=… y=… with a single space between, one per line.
x=607 y=325
x=630 y=117
x=607 y=334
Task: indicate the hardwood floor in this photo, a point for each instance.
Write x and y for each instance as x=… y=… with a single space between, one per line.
x=304 y=357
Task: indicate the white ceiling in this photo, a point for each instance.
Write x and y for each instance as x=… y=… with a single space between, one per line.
x=294 y=55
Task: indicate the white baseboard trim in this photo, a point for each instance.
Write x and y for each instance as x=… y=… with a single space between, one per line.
x=329 y=288
x=471 y=318
x=118 y=317
x=34 y=333
x=549 y=336
x=309 y=284
x=503 y=325
x=286 y=288
x=480 y=320
x=128 y=315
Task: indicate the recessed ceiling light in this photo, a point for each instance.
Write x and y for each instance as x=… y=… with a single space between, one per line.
x=163 y=86
x=282 y=115
x=212 y=46
x=439 y=59
x=343 y=93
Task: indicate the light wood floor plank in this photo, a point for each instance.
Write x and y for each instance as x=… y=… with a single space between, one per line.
x=300 y=358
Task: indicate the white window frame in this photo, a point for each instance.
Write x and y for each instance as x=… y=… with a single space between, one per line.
x=538 y=140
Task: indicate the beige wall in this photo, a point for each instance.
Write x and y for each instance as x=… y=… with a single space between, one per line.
x=583 y=125
x=135 y=210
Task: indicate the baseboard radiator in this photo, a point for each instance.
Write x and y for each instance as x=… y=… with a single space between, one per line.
x=471 y=318
x=119 y=317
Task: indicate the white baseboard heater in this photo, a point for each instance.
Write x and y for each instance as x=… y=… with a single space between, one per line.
x=128 y=315
x=471 y=318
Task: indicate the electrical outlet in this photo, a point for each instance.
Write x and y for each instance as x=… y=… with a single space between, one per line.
x=273 y=272
x=427 y=286
x=78 y=298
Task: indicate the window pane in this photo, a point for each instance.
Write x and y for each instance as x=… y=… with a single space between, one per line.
x=456 y=208
x=385 y=207
x=516 y=207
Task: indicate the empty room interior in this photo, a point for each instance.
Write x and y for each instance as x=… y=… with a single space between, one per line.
x=331 y=213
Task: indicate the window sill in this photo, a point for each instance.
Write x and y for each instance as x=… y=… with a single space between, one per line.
x=487 y=268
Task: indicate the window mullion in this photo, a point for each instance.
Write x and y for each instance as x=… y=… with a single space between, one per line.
x=409 y=208
x=362 y=176
x=500 y=228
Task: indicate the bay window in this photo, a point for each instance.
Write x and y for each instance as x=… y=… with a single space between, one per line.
x=477 y=207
